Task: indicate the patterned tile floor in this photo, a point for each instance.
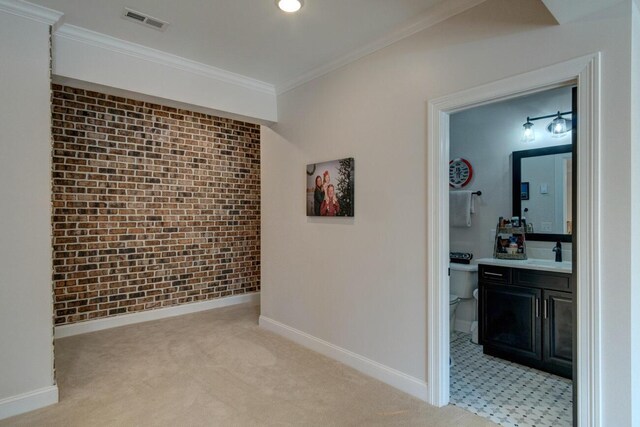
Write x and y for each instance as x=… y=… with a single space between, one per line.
x=506 y=393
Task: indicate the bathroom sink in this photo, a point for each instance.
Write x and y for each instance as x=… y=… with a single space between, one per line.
x=565 y=265
x=547 y=262
x=531 y=263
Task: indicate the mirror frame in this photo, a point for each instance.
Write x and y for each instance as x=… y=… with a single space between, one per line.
x=517 y=157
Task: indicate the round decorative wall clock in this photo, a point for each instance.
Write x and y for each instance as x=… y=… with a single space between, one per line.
x=460 y=172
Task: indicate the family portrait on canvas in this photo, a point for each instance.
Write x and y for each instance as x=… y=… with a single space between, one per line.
x=330 y=188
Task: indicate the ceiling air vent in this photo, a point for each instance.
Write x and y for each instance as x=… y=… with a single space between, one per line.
x=144 y=19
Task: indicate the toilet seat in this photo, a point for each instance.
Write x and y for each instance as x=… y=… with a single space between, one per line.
x=453 y=299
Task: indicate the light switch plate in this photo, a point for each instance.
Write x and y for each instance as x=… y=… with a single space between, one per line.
x=544 y=188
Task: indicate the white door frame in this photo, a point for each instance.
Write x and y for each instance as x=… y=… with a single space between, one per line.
x=585 y=72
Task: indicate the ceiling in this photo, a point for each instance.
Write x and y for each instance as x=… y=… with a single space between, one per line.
x=569 y=10
x=253 y=37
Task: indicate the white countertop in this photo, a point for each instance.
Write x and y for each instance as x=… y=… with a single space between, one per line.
x=531 y=264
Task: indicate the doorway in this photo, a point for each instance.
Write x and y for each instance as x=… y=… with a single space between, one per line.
x=512 y=345
x=585 y=73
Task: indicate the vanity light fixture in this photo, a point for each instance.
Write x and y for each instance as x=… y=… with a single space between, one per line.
x=558 y=127
x=289 y=6
x=528 y=135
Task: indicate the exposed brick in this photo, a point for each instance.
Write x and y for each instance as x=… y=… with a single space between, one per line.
x=152 y=206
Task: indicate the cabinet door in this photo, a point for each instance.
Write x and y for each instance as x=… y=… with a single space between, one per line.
x=511 y=320
x=558 y=331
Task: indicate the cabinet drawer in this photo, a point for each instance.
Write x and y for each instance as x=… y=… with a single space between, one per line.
x=495 y=274
x=542 y=279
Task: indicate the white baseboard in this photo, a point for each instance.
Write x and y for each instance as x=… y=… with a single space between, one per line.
x=26 y=402
x=393 y=377
x=160 y=313
x=462 y=326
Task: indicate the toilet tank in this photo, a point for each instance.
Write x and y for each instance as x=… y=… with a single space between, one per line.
x=463 y=279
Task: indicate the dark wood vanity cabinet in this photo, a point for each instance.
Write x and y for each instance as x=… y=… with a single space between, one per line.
x=509 y=322
x=526 y=316
x=558 y=332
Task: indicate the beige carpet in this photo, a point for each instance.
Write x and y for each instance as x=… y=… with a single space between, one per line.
x=218 y=368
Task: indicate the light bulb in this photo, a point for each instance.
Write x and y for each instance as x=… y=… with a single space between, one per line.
x=558 y=126
x=528 y=135
x=289 y=6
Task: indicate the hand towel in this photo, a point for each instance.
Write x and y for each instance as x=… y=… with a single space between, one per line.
x=460 y=208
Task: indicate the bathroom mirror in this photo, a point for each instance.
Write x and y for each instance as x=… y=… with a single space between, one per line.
x=543 y=191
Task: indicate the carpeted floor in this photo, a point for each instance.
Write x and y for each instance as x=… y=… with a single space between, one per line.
x=218 y=368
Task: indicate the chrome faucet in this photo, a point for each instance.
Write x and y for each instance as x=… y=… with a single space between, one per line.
x=558 y=251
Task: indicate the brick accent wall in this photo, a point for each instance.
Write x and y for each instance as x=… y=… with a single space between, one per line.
x=152 y=206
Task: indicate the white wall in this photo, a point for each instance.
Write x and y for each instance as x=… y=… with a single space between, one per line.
x=635 y=224
x=92 y=57
x=26 y=327
x=361 y=284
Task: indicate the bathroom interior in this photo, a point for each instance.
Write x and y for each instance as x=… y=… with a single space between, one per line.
x=511 y=289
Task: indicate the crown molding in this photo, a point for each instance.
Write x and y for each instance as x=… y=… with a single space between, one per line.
x=103 y=41
x=30 y=11
x=434 y=15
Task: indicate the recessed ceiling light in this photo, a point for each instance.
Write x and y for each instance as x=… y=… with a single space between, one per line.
x=289 y=6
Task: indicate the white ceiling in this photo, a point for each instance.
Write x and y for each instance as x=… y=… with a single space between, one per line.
x=253 y=37
x=569 y=10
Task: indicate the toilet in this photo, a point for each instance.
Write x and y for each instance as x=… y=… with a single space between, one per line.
x=462 y=282
x=474 y=324
x=453 y=306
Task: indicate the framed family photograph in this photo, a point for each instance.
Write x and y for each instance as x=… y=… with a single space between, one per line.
x=330 y=188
